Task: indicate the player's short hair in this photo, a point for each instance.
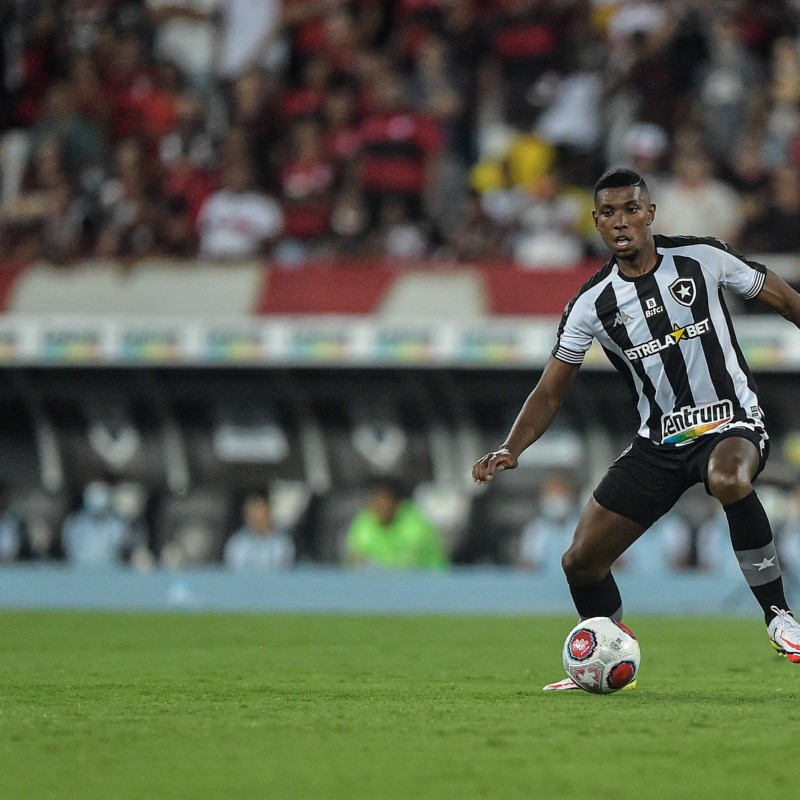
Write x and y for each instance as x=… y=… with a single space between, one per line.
x=617 y=178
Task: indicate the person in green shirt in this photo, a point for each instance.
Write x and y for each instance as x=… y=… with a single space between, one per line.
x=392 y=532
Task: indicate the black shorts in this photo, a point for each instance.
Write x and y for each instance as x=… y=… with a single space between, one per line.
x=647 y=479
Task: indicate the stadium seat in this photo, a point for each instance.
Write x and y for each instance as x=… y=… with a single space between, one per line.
x=237 y=432
x=497 y=517
x=20 y=467
x=108 y=425
x=191 y=529
x=321 y=536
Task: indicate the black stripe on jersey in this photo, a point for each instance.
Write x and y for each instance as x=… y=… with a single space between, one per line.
x=712 y=349
x=563 y=353
x=660 y=328
x=607 y=308
x=622 y=366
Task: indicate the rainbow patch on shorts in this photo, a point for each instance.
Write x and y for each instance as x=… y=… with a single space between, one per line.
x=689 y=422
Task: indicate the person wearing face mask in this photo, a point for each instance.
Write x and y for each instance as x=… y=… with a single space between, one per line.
x=549 y=531
x=96 y=534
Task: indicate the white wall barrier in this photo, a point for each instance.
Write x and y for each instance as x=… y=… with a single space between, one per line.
x=472 y=590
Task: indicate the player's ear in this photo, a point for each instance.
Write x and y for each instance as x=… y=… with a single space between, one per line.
x=594 y=217
x=651 y=213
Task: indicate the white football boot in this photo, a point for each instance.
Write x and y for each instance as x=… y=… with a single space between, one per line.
x=784 y=634
x=567 y=685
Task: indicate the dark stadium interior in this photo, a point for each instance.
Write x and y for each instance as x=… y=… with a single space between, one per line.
x=201 y=440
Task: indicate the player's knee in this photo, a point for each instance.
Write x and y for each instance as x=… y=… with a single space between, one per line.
x=581 y=568
x=727 y=486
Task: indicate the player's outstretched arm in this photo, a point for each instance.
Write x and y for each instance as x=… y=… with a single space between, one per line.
x=777 y=294
x=532 y=421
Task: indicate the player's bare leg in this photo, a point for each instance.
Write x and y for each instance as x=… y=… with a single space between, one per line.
x=731 y=468
x=601 y=537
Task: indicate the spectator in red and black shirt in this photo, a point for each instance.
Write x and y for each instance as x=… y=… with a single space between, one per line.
x=39 y=65
x=130 y=81
x=398 y=145
x=334 y=29
x=524 y=41
x=342 y=135
x=307 y=181
x=308 y=97
x=434 y=86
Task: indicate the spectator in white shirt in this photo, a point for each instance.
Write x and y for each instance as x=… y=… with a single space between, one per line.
x=695 y=203
x=259 y=544
x=238 y=221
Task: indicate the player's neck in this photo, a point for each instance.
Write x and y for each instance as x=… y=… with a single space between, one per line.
x=641 y=263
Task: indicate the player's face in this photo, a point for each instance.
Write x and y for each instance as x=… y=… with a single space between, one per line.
x=623 y=217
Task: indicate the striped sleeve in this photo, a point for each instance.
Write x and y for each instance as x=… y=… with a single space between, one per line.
x=757 y=284
x=736 y=273
x=574 y=335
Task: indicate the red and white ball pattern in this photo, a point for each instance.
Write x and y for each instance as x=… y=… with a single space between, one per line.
x=602 y=656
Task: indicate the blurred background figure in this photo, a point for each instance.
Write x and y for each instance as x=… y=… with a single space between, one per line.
x=666 y=545
x=553 y=223
x=397 y=236
x=787 y=536
x=775 y=227
x=13 y=533
x=128 y=210
x=185 y=34
x=645 y=148
x=695 y=203
x=550 y=530
x=97 y=534
x=392 y=532
x=259 y=544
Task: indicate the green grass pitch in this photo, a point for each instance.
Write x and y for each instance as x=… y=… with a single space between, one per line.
x=162 y=706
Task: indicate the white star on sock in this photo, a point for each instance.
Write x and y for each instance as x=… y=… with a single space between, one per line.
x=767 y=562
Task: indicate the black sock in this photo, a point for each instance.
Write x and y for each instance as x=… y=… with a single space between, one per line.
x=601 y=599
x=751 y=537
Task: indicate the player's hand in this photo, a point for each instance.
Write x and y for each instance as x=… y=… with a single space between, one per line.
x=499 y=460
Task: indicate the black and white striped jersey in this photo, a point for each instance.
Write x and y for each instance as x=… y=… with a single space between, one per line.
x=670 y=335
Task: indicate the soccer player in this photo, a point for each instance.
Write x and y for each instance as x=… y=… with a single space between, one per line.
x=657 y=310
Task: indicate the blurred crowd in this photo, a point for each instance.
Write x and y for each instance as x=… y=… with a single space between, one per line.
x=437 y=129
x=389 y=530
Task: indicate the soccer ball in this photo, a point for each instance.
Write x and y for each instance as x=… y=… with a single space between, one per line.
x=601 y=655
